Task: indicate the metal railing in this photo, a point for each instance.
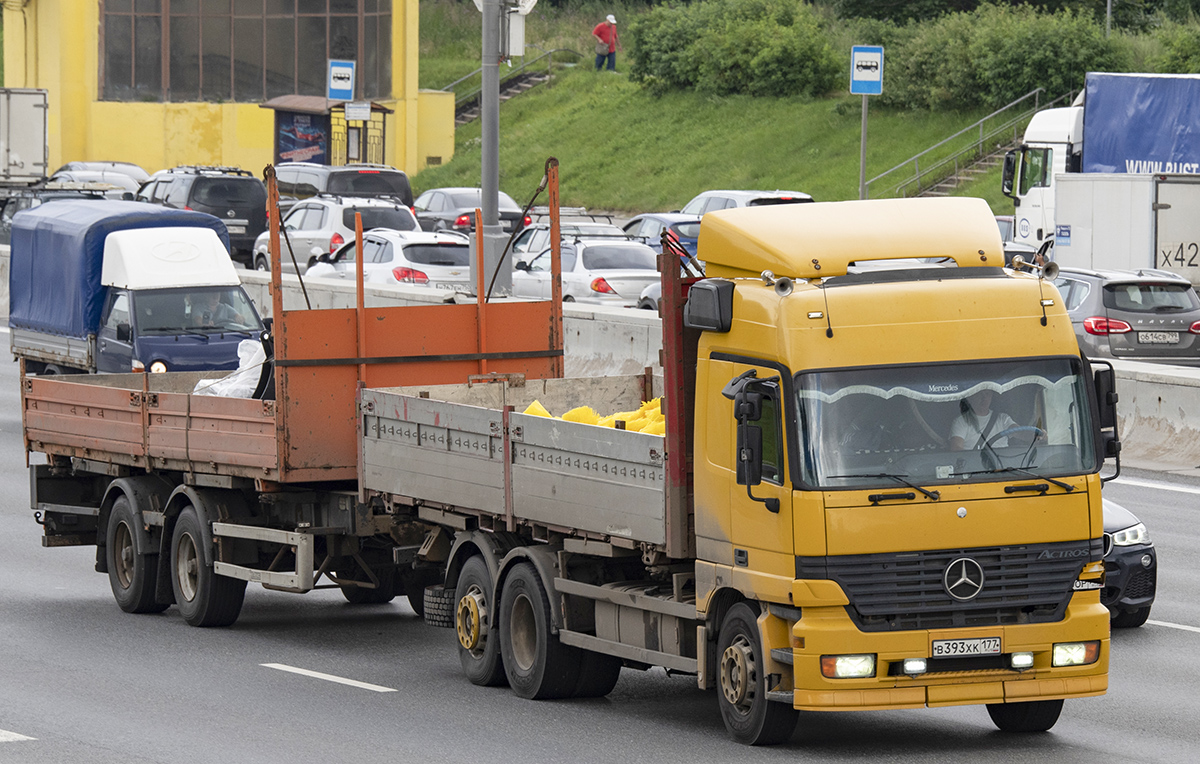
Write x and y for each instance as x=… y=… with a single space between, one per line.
x=980 y=140
x=527 y=65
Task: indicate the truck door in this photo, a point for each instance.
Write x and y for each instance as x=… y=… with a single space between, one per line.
x=762 y=539
x=1035 y=215
x=114 y=343
x=1178 y=227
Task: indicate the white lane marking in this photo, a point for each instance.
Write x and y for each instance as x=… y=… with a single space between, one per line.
x=1158 y=486
x=1175 y=626
x=12 y=737
x=327 y=677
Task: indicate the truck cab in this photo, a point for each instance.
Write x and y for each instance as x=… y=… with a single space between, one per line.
x=1053 y=145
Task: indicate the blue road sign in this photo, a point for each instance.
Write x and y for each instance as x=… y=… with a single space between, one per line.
x=866 y=70
x=340 y=83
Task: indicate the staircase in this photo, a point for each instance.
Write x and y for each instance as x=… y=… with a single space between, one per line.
x=969 y=172
x=468 y=109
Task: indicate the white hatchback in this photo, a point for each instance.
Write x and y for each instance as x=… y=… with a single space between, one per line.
x=440 y=260
x=322 y=224
x=598 y=272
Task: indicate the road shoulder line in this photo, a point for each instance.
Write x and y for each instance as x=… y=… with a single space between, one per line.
x=327 y=677
x=1179 y=626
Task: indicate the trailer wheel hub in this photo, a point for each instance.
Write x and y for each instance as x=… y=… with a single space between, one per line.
x=470 y=619
x=737 y=665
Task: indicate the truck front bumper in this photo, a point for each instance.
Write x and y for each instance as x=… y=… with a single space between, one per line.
x=829 y=631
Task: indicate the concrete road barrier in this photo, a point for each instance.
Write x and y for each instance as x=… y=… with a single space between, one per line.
x=1159 y=408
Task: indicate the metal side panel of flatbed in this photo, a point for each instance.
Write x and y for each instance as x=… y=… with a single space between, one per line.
x=558 y=474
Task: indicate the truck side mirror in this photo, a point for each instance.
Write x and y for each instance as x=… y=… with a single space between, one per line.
x=124 y=333
x=1010 y=174
x=1105 y=381
x=749 y=451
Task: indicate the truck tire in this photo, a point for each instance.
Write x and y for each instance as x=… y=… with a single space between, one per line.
x=204 y=598
x=538 y=665
x=439 y=606
x=1130 y=619
x=741 y=684
x=1032 y=716
x=132 y=576
x=381 y=595
x=598 y=675
x=415 y=582
x=478 y=641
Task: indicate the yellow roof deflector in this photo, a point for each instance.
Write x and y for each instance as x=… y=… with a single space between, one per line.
x=820 y=240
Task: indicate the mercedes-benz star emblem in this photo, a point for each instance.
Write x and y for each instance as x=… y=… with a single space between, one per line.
x=963 y=579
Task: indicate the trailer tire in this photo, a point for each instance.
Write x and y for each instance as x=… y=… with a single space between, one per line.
x=1031 y=716
x=204 y=598
x=439 y=606
x=538 y=665
x=475 y=622
x=132 y=576
x=741 y=684
x=598 y=675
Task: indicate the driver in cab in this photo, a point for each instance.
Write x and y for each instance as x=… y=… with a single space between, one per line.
x=208 y=310
x=977 y=422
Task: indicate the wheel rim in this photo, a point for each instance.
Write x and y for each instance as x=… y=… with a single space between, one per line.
x=470 y=620
x=187 y=567
x=123 y=555
x=523 y=629
x=738 y=674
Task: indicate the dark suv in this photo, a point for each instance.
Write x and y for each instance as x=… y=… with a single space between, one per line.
x=300 y=180
x=235 y=196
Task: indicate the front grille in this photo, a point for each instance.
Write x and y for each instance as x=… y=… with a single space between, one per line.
x=1029 y=583
x=971 y=665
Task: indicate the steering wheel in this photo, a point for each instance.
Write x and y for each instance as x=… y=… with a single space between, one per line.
x=1038 y=434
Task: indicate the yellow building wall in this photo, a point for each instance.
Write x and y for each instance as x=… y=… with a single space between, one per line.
x=55 y=44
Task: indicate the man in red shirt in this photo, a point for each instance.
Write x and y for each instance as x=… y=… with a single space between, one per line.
x=607 y=43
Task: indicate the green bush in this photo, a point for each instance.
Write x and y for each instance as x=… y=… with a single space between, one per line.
x=725 y=47
x=994 y=55
x=1180 y=53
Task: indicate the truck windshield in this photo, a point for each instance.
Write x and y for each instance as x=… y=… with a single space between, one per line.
x=194 y=310
x=944 y=423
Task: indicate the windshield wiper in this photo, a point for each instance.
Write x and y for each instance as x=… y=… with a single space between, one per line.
x=931 y=495
x=1065 y=486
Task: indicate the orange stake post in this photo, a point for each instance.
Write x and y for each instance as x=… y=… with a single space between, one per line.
x=481 y=292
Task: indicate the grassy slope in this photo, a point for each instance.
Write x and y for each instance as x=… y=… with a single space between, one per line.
x=620 y=148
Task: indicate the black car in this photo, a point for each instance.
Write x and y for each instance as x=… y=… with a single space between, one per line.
x=1130 y=567
x=301 y=180
x=235 y=196
x=453 y=209
x=13 y=201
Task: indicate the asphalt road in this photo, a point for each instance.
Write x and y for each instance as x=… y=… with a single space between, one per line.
x=80 y=681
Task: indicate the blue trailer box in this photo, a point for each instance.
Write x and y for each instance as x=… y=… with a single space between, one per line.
x=58 y=256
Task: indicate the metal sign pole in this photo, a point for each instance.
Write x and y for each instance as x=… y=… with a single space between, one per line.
x=862 y=155
x=866 y=78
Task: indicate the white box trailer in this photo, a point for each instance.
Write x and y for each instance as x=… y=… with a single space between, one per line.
x=24 y=150
x=1129 y=222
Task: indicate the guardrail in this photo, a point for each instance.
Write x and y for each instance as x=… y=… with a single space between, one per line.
x=938 y=167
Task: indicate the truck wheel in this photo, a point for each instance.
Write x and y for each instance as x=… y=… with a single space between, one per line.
x=598 y=675
x=1126 y=619
x=132 y=576
x=741 y=685
x=1032 y=716
x=539 y=667
x=478 y=642
x=439 y=606
x=381 y=595
x=204 y=598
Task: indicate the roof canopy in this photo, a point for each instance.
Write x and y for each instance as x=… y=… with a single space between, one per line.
x=303 y=104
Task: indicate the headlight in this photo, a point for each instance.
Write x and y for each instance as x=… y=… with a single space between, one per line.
x=158 y=367
x=848 y=666
x=1076 y=653
x=1134 y=534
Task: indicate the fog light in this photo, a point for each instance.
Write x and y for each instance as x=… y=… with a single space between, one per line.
x=158 y=367
x=848 y=666
x=1147 y=561
x=1021 y=661
x=914 y=666
x=1076 y=653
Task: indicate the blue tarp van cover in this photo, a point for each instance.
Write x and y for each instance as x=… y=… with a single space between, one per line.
x=58 y=255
